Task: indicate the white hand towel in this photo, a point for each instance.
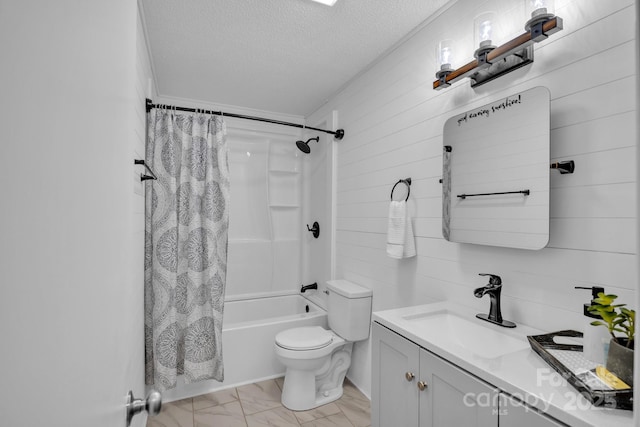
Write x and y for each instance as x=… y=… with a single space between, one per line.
x=396 y=228
x=409 y=248
x=400 y=241
x=397 y=220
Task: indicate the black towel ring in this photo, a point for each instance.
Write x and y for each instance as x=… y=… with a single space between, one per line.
x=407 y=182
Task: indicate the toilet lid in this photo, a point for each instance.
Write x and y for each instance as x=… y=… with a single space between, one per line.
x=305 y=338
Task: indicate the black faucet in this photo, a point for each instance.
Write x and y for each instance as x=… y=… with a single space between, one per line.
x=493 y=289
x=311 y=286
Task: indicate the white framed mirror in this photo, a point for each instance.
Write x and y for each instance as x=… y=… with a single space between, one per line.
x=495 y=184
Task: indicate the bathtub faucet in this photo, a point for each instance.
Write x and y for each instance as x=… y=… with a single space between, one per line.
x=311 y=286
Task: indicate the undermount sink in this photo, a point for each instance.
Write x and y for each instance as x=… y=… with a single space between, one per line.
x=450 y=331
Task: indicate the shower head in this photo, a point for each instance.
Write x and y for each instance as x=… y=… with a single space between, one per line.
x=304 y=146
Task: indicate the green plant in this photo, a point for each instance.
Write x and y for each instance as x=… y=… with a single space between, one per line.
x=615 y=317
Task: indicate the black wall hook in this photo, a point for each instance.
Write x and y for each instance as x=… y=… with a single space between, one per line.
x=144 y=177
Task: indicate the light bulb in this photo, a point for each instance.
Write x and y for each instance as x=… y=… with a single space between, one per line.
x=444 y=54
x=539 y=7
x=485 y=25
x=485 y=31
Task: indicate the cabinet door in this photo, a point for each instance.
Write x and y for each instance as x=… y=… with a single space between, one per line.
x=453 y=397
x=514 y=413
x=395 y=364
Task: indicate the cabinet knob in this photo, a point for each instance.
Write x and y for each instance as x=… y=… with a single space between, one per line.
x=422 y=385
x=409 y=376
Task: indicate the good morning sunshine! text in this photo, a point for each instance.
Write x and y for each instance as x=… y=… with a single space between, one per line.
x=486 y=111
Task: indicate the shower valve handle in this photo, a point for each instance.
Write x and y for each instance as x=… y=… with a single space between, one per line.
x=315 y=230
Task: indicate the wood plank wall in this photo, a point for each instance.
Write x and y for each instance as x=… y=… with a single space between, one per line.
x=394 y=120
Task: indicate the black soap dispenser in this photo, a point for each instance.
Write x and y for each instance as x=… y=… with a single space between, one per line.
x=596 y=338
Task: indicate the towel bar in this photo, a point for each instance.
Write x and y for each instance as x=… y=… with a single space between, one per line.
x=464 y=196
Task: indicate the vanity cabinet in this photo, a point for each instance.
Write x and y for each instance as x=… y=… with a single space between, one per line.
x=414 y=387
x=432 y=365
x=514 y=413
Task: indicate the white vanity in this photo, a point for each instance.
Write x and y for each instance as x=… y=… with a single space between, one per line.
x=437 y=365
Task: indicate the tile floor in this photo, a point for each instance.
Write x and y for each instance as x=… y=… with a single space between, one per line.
x=259 y=405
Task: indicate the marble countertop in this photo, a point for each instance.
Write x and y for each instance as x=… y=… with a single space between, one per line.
x=520 y=372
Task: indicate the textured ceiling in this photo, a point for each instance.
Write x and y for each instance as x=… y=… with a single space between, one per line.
x=286 y=56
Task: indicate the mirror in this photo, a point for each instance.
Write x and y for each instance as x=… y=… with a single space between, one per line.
x=495 y=184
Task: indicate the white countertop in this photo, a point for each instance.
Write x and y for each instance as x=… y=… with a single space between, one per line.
x=521 y=373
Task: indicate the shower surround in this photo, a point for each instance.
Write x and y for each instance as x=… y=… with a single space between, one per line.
x=265 y=234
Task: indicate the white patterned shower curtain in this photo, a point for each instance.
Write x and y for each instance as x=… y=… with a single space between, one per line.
x=186 y=231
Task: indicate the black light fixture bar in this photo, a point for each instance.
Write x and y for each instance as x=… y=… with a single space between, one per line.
x=337 y=134
x=503 y=59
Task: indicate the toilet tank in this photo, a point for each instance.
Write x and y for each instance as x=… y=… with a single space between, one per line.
x=349 y=309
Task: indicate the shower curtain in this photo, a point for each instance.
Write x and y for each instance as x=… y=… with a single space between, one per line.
x=186 y=231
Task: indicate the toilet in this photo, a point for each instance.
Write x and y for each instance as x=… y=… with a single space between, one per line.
x=317 y=359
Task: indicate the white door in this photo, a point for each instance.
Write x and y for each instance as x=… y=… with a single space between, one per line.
x=70 y=248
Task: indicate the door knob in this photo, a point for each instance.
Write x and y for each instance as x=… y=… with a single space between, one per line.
x=422 y=385
x=152 y=405
x=409 y=376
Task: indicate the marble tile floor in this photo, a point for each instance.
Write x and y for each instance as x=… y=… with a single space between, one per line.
x=259 y=405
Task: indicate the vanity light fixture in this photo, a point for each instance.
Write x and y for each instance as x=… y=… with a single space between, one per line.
x=490 y=61
x=326 y=2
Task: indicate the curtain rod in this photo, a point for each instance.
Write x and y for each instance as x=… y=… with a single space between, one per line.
x=338 y=134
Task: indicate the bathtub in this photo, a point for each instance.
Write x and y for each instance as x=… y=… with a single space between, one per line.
x=248 y=335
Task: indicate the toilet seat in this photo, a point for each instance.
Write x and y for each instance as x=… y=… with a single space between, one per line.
x=305 y=338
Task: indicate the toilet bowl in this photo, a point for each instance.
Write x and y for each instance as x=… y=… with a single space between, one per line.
x=317 y=359
x=306 y=383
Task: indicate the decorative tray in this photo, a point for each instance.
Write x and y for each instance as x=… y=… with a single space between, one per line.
x=569 y=362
